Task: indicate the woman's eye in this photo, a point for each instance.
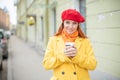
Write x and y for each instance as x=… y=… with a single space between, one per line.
x=74 y=23
x=67 y=22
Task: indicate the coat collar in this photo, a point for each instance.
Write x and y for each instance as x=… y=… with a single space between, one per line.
x=77 y=41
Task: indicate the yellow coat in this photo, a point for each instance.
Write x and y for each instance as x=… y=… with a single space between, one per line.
x=65 y=68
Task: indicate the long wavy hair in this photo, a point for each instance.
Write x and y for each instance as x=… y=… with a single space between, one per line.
x=80 y=32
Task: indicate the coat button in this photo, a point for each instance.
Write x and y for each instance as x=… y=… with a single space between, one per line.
x=63 y=72
x=74 y=73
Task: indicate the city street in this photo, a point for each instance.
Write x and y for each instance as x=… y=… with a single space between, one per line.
x=29 y=24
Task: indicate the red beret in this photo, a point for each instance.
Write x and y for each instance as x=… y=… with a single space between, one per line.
x=72 y=14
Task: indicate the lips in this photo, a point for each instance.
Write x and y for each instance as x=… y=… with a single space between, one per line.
x=70 y=32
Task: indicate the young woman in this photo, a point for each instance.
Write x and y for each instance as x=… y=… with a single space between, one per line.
x=69 y=52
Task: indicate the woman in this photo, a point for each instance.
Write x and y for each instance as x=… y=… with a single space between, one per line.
x=69 y=53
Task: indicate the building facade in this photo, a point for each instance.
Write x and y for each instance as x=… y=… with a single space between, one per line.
x=4 y=19
x=102 y=26
x=103 y=29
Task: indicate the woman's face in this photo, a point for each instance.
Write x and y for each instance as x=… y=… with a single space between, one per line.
x=70 y=26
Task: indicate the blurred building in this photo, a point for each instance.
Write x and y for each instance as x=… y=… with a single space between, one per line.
x=102 y=26
x=4 y=19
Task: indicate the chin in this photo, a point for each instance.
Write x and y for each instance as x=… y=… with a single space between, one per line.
x=70 y=31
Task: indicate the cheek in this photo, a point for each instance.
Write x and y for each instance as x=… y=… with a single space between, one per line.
x=74 y=28
x=66 y=27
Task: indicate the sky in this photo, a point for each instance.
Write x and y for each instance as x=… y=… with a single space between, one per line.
x=11 y=9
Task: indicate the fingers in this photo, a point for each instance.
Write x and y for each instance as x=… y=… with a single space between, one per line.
x=70 y=51
x=69 y=55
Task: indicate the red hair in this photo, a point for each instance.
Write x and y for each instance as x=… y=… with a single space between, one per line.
x=80 y=32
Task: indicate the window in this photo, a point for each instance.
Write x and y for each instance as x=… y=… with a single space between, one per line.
x=1 y=35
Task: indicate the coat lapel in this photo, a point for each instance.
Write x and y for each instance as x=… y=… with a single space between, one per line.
x=60 y=43
x=78 y=42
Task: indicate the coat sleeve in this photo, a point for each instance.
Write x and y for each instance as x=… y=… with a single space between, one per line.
x=87 y=60
x=51 y=59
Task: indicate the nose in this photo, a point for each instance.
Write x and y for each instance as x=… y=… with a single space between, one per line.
x=70 y=25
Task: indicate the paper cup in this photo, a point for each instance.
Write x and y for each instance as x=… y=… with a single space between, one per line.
x=69 y=44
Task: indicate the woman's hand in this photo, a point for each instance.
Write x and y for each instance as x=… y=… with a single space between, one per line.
x=70 y=51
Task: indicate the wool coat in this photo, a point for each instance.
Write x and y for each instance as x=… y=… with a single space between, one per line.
x=65 y=68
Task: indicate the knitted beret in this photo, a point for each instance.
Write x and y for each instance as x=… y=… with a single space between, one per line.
x=72 y=14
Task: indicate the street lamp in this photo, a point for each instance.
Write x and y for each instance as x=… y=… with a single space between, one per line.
x=31 y=19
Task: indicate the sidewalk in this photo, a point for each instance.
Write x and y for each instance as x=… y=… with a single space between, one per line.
x=24 y=63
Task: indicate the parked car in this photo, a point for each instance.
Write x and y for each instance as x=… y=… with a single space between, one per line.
x=7 y=34
x=1 y=56
x=4 y=42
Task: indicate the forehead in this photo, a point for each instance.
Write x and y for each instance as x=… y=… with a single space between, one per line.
x=70 y=21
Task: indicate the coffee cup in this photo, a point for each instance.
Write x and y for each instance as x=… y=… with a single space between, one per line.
x=69 y=44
